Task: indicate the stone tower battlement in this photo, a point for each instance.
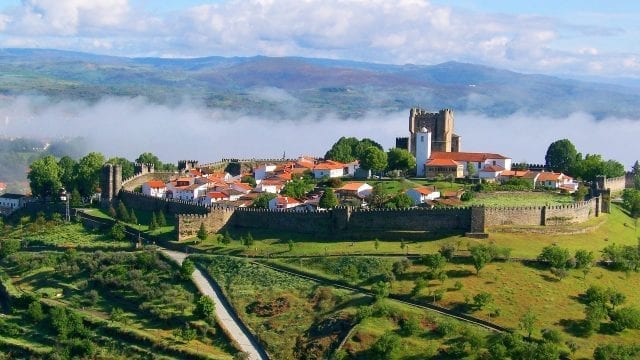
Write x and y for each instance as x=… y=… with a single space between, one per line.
x=186 y=165
x=439 y=124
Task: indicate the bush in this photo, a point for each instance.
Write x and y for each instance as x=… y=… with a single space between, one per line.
x=446 y=328
x=626 y=318
x=448 y=251
x=410 y=327
x=34 y=312
x=466 y=196
x=386 y=346
x=552 y=336
x=616 y=352
x=482 y=299
x=117 y=231
x=556 y=256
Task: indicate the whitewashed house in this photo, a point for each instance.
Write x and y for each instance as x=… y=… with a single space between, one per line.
x=330 y=169
x=155 y=188
x=478 y=160
x=356 y=189
x=283 y=203
x=11 y=202
x=270 y=186
x=263 y=171
x=421 y=194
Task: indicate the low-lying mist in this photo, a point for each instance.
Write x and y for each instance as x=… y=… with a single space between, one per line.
x=128 y=127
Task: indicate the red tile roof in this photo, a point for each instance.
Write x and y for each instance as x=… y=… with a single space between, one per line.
x=515 y=173
x=329 y=165
x=285 y=200
x=492 y=168
x=423 y=190
x=352 y=186
x=552 y=176
x=466 y=156
x=156 y=184
x=442 y=162
x=244 y=186
x=216 y=195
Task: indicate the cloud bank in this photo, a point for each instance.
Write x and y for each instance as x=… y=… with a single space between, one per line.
x=403 y=31
x=128 y=127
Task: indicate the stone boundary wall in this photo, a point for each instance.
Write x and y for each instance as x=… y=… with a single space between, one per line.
x=143 y=202
x=137 y=180
x=187 y=225
x=447 y=219
x=543 y=215
x=616 y=184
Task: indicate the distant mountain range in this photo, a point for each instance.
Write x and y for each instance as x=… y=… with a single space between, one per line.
x=291 y=86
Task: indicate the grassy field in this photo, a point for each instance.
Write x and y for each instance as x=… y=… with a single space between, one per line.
x=144 y=219
x=153 y=300
x=516 y=288
x=616 y=227
x=292 y=316
x=522 y=198
x=66 y=236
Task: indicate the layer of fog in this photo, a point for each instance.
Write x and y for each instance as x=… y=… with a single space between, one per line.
x=128 y=127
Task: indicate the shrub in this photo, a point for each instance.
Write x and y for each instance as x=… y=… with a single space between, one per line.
x=34 y=312
x=552 y=335
x=448 y=251
x=616 y=352
x=117 y=231
x=386 y=346
x=410 y=327
x=482 y=299
x=556 y=256
x=626 y=318
x=205 y=308
x=446 y=328
x=458 y=285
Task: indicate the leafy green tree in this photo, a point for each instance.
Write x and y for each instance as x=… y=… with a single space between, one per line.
x=205 y=308
x=584 y=259
x=373 y=159
x=112 y=212
x=386 y=347
x=631 y=201
x=401 y=266
x=262 y=201
x=76 y=198
x=626 y=318
x=67 y=172
x=186 y=269
x=379 y=195
x=402 y=201
x=471 y=169
x=126 y=165
x=380 y=289
x=249 y=180
x=290 y=244
x=481 y=255
x=528 y=322
x=149 y=158
x=117 y=231
x=132 y=217
x=328 y=199
x=556 y=256
x=123 y=214
x=202 y=232
x=376 y=244
x=482 y=299
x=44 y=177
x=410 y=326
x=153 y=223
x=400 y=159
x=8 y=247
x=297 y=188
x=116 y=314
x=435 y=262
x=561 y=156
x=343 y=150
x=88 y=173
x=616 y=352
x=34 y=311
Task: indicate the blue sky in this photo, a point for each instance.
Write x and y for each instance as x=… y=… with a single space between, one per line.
x=580 y=38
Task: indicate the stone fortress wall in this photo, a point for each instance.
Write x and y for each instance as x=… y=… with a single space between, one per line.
x=347 y=222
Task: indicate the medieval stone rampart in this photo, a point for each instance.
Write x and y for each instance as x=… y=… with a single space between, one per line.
x=543 y=215
x=137 y=180
x=143 y=202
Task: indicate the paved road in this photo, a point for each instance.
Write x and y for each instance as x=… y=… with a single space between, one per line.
x=238 y=332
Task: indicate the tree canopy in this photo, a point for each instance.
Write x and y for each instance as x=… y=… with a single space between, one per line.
x=400 y=159
x=88 y=173
x=127 y=166
x=328 y=199
x=373 y=159
x=561 y=156
x=44 y=177
x=348 y=149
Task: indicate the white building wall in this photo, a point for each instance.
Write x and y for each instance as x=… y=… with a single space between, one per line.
x=423 y=151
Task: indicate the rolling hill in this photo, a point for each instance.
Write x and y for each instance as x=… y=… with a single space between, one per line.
x=289 y=85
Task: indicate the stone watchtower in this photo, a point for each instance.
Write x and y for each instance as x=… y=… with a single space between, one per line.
x=439 y=124
x=186 y=165
x=110 y=182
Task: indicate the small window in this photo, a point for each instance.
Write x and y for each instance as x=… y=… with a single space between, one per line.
x=421 y=138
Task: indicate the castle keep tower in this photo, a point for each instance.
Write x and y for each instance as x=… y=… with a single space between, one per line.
x=439 y=124
x=110 y=182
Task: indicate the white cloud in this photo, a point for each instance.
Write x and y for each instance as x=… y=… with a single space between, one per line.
x=128 y=127
x=403 y=31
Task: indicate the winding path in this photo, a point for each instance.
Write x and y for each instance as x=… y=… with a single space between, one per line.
x=235 y=328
